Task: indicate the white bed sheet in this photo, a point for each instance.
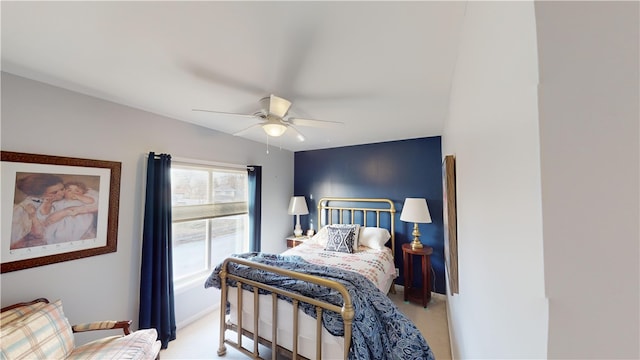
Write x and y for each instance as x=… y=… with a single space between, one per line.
x=375 y=265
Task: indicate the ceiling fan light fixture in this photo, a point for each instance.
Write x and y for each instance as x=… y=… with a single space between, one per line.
x=274 y=129
x=278 y=106
x=273 y=118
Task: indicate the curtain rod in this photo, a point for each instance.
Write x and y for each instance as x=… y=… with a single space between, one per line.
x=206 y=162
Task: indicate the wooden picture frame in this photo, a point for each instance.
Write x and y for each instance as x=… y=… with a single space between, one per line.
x=450 y=221
x=56 y=209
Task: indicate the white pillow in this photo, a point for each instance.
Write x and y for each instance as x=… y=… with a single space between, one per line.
x=321 y=237
x=374 y=237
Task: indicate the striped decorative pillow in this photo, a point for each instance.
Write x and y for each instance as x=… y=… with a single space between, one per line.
x=16 y=313
x=44 y=333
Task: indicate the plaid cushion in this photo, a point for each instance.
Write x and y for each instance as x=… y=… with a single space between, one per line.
x=43 y=333
x=140 y=344
x=340 y=239
x=14 y=314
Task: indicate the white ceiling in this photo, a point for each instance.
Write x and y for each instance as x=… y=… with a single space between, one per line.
x=382 y=68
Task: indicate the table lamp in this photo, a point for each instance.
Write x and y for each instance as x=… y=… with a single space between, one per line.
x=415 y=210
x=297 y=207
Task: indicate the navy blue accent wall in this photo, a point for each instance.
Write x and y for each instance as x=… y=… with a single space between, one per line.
x=394 y=170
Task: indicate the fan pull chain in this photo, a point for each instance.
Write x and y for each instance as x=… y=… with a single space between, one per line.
x=267 y=144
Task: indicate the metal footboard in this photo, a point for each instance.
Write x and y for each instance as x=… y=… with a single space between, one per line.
x=347 y=311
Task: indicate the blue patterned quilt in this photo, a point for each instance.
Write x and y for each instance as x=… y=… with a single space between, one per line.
x=380 y=330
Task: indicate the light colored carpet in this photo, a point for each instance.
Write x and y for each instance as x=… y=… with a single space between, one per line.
x=199 y=340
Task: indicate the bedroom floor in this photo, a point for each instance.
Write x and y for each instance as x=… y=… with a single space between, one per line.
x=199 y=340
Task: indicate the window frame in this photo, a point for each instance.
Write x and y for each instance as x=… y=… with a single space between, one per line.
x=209 y=212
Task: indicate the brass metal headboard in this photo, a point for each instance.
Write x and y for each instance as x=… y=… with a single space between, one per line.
x=330 y=206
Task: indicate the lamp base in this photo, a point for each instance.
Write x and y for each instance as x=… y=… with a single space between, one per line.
x=297 y=230
x=416 y=244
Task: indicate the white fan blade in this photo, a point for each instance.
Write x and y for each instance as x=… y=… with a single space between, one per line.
x=315 y=123
x=225 y=113
x=298 y=134
x=245 y=130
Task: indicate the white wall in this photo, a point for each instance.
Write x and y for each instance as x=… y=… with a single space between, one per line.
x=492 y=129
x=557 y=170
x=41 y=119
x=589 y=114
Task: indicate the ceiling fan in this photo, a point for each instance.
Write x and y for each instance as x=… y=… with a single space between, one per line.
x=274 y=118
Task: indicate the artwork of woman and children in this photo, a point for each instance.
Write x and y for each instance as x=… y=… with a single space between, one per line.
x=53 y=208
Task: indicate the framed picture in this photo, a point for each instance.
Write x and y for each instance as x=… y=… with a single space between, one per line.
x=450 y=223
x=56 y=209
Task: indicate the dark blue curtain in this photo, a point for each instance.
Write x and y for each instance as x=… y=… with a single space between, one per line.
x=255 y=206
x=157 y=308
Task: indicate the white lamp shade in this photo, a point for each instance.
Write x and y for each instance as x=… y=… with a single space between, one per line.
x=415 y=210
x=298 y=206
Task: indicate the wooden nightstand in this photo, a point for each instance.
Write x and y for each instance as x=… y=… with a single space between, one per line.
x=420 y=295
x=293 y=241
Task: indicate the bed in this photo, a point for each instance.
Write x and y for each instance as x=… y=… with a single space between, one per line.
x=330 y=302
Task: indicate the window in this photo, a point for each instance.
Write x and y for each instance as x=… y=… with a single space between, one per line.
x=210 y=218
